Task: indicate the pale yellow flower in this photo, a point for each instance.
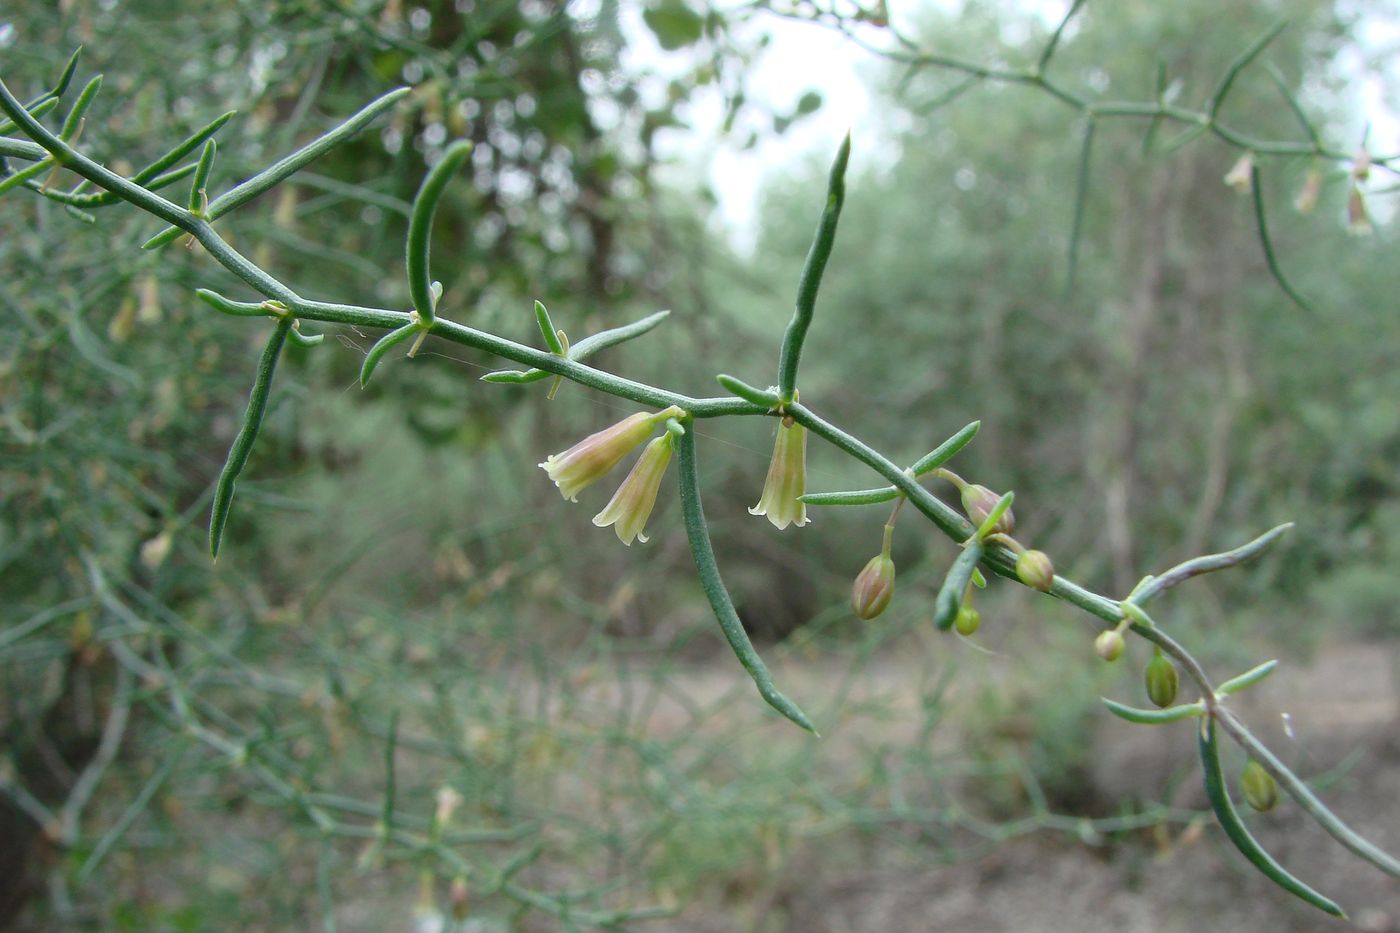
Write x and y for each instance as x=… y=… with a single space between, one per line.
x=787 y=478
x=631 y=505
x=591 y=458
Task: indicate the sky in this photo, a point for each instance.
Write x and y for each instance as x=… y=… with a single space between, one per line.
x=802 y=57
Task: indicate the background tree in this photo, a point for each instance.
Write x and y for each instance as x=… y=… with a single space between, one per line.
x=303 y=703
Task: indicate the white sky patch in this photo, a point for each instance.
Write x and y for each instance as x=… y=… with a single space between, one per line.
x=799 y=58
x=803 y=57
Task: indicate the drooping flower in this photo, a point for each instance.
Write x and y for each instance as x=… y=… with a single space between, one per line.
x=1241 y=174
x=1358 y=218
x=787 y=478
x=591 y=458
x=631 y=505
x=1308 y=194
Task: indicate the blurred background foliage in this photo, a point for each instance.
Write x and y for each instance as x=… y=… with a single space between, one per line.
x=406 y=621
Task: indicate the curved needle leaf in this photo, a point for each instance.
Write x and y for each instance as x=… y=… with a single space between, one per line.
x=1240 y=63
x=923 y=466
x=36 y=111
x=1054 y=42
x=748 y=393
x=1153 y=586
x=548 y=330
x=708 y=570
x=945 y=607
x=945 y=451
x=420 y=285
x=198 y=186
x=305 y=340
x=1153 y=717
x=583 y=349
x=243 y=443
x=1235 y=829
x=382 y=346
x=851 y=496
x=74 y=120
x=812 y=271
x=1081 y=194
x=1268 y=244
x=241 y=194
x=1248 y=679
x=236 y=308
x=64 y=79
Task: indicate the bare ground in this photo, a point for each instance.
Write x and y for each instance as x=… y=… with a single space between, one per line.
x=1179 y=878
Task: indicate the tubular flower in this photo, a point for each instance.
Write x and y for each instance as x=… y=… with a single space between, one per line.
x=632 y=503
x=1241 y=174
x=587 y=461
x=787 y=478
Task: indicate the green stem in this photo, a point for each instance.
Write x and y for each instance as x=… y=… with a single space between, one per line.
x=707 y=568
x=420 y=225
x=812 y=271
x=243 y=443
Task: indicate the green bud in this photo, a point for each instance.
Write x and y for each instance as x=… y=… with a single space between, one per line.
x=873 y=587
x=1034 y=569
x=978 y=502
x=968 y=620
x=1109 y=645
x=1161 y=680
x=1260 y=789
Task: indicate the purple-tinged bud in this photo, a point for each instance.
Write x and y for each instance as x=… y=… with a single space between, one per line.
x=967 y=621
x=1033 y=568
x=591 y=458
x=873 y=587
x=1260 y=789
x=1109 y=645
x=978 y=502
x=631 y=505
x=787 y=478
x=1161 y=680
x=1241 y=174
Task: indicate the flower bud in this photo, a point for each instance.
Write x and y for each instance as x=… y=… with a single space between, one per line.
x=1161 y=680
x=968 y=620
x=1241 y=174
x=787 y=478
x=1109 y=645
x=873 y=587
x=1260 y=789
x=978 y=502
x=1034 y=569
